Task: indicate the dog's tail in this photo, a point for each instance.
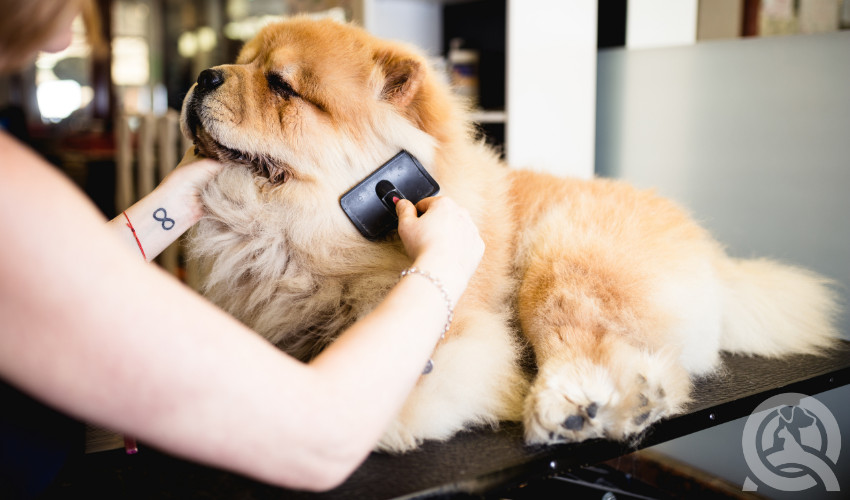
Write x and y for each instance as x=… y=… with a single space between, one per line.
x=771 y=309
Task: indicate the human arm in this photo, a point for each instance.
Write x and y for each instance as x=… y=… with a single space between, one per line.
x=92 y=330
x=398 y=337
x=158 y=219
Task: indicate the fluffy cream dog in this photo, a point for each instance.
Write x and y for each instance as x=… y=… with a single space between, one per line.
x=622 y=298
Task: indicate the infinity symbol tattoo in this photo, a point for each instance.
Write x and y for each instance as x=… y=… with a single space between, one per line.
x=167 y=223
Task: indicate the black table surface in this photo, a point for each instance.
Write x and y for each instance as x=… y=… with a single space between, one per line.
x=472 y=462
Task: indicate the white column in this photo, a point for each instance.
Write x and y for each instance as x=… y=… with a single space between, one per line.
x=551 y=86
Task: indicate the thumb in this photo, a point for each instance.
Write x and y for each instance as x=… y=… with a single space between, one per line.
x=190 y=156
x=405 y=210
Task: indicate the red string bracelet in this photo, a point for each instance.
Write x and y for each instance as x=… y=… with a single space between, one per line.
x=130 y=225
x=130 y=446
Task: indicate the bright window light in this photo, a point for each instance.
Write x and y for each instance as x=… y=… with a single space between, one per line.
x=130 y=61
x=57 y=99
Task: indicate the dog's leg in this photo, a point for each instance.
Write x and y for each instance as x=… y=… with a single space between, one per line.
x=619 y=297
x=476 y=380
x=609 y=355
x=601 y=372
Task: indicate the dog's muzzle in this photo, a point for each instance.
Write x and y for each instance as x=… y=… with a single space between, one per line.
x=208 y=81
x=276 y=171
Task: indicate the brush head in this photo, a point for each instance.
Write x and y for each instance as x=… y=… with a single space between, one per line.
x=369 y=205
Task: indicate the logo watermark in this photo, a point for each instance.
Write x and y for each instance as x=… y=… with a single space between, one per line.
x=791 y=442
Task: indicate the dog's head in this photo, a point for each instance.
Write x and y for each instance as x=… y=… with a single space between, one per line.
x=316 y=101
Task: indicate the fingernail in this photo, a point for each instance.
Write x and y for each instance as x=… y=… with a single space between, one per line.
x=395 y=199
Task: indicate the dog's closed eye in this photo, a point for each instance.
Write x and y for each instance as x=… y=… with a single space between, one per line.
x=280 y=86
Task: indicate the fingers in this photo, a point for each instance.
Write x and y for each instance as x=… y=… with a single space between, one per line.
x=193 y=172
x=433 y=203
x=405 y=210
x=189 y=156
x=444 y=239
x=425 y=203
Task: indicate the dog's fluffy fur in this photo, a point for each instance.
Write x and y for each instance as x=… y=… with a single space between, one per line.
x=622 y=298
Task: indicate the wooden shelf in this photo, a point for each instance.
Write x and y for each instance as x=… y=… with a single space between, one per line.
x=489 y=116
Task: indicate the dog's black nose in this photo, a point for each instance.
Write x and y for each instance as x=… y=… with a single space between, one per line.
x=210 y=79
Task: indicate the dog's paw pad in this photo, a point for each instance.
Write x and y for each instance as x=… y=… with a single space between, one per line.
x=591 y=410
x=559 y=410
x=573 y=423
x=641 y=419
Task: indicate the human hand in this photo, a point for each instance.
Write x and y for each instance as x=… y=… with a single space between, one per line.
x=162 y=215
x=189 y=178
x=196 y=170
x=443 y=240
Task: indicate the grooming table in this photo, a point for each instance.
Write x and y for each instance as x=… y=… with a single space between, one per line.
x=473 y=462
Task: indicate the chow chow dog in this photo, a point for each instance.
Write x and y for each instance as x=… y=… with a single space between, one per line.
x=620 y=298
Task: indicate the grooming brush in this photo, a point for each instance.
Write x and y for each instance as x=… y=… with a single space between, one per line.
x=370 y=204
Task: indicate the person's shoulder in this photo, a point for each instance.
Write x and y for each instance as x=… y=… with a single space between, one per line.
x=17 y=156
x=28 y=183
x=10 y=144
x=22 y=167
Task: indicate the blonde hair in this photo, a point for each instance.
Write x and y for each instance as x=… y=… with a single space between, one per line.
x=26 y=25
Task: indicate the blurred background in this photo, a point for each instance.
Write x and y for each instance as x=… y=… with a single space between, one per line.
x=85 y=108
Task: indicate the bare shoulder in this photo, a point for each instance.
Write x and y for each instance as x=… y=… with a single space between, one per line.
x=21 y=165
x=44 y=217
x=31 y=188
x=16 y=155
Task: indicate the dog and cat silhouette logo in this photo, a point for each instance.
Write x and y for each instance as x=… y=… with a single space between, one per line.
x=791 y=442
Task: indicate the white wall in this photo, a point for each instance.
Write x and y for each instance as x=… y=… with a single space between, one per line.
x=660 y=23
x=753 y=136
x=412 y=21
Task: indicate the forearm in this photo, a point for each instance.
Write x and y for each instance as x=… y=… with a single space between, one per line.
x=372 y=367
x=157 y=220
x=325 y=416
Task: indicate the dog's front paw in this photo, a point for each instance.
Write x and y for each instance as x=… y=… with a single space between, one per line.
x=398 y=439
x=560 y=408
x=578 y=399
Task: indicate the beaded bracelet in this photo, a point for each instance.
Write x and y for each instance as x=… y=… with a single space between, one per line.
x=439 y=284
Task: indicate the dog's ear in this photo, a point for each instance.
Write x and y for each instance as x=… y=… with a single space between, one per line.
x=402 y=77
